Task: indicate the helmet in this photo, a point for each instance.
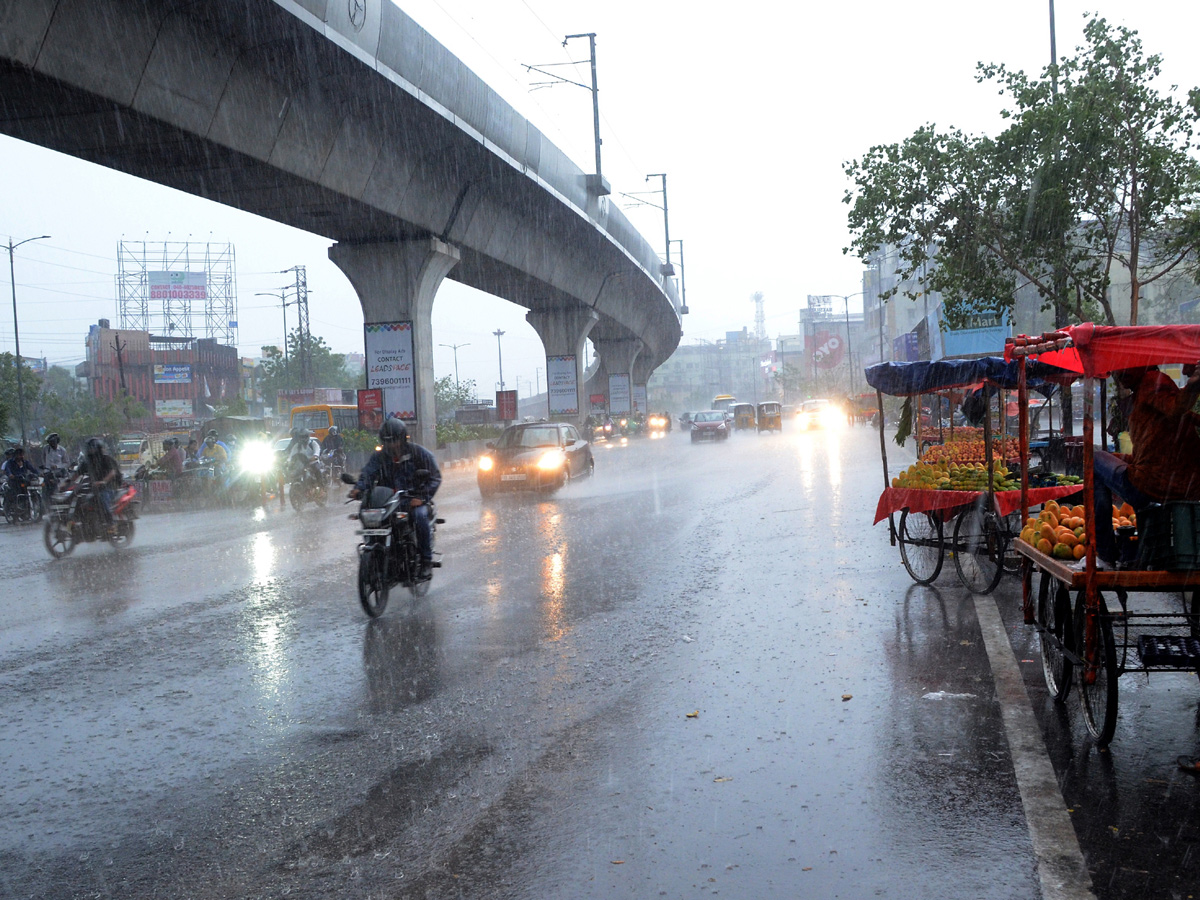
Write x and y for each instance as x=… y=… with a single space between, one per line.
x=19 y=451
x=212 y=433
x=298 y=433
x=333 y=429
x=210 y=438
x=95 y=447
x=9 y=453
x=52 y=438
x=393 y=430
x=230 y=439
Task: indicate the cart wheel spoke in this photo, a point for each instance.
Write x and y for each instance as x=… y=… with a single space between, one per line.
x=1056 y=634
x=1098 y=676
x=921 y=545
x=980 y=544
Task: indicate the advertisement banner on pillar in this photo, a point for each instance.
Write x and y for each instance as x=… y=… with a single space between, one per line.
x=618 y=394
x=596 y=401
x=506 y=406
x=389 y=349
x=639 y=398
x=562 y=385
x=370 y=409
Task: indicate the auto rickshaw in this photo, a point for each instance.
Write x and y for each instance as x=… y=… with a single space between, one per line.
x=743 y=416
x=770 y=416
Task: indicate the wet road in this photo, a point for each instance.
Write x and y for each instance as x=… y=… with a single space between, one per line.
x=211 y=715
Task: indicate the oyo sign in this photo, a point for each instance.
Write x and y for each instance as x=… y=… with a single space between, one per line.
x=828 y=350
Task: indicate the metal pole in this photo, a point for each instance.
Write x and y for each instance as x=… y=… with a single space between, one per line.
x=500 y=354
x=849 y=349
x=16 y=332
x=455 y=347
x=591 y=36
x=666 y=214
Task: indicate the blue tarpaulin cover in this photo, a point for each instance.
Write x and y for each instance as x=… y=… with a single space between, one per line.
x=904 y=379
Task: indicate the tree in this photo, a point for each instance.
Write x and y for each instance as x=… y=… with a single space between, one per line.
x=326 y=368
x=9 y=402
x=449 y=395
x=1093 y=172
x=64 y=405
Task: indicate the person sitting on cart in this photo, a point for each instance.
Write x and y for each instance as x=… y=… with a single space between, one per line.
x=1165 y=463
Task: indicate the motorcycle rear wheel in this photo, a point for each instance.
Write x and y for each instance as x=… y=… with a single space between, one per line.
x=123 y=536
x=373 y=581
x=58 y=537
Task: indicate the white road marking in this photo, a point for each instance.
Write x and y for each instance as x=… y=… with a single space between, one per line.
x=1061 y=868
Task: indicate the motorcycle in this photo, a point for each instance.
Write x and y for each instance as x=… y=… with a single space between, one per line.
x=76 y=516
x=52 y=482
x=335 y=464
x=255 y=477
x=23 y=500
x=388 y=555
x=306 y=483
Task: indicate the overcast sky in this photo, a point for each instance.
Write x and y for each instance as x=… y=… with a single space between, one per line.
x=750 y=112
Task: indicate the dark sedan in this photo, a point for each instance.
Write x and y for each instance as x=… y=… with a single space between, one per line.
x=709 y=425
x=542 y=456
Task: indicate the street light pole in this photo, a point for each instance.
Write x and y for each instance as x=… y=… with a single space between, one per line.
x=668 y=269
x=500 y=353
x=16 y=332
x=683 y=309
x=591 y=36
x=287 y=366
x=455 y=347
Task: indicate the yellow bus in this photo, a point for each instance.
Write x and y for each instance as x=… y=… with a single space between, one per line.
x=723 y=402
x=318 y=417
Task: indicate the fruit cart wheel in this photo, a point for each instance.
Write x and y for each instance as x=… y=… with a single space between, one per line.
x=979 y=548
x=1012 y=528
x=1191 y=609
x=1097 y=689
x=1057 y=638
x=921 y=545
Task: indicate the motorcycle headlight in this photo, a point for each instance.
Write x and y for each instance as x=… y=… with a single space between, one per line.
x=257 y=459
x=551 y=460
x=486 y=464
x=371 y=518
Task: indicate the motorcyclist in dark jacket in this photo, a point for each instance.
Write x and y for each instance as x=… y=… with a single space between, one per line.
x=396 y=466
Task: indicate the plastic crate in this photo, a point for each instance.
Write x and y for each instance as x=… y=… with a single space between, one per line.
x=1169 y=650
x=1169 y=536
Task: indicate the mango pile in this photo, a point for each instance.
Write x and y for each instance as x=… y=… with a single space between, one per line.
x=949 y=476
x=972 y=451
x=1059 y=531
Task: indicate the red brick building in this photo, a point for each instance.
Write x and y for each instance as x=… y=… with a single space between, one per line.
x=178 y=379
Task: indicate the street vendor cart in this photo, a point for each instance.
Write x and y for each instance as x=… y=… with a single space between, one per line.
x=964 y=501
x=1093 y=641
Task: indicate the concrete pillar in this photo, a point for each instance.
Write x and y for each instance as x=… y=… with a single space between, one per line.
x=616 y=358
x=564 y=332
x=642 y=370
x=396 y=282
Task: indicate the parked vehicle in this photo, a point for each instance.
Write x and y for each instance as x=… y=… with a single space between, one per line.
x=76 y=516
x=388 y=555
x=23 y=500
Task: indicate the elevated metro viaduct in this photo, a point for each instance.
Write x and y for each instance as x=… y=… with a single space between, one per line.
x=346 y=119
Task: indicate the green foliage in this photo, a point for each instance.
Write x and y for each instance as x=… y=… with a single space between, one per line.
x=9 y=403
x=452 y=432
x=358 y=439
x=235 y=407
x=65 y=406
x=449 y=396
x=1094 y=171
x=327 y=369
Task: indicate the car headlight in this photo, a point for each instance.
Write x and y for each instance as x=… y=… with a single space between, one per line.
x=486 y=463
x=371 y=518
x=551 y=460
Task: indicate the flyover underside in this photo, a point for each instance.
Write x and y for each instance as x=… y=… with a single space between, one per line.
x=46 y=112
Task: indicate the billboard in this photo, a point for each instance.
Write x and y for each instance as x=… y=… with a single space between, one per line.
x=618 y=393
x=173 y=409
x=390 y=367
x=639 y=398
x=177 y=285
x=827 y=350
x=370 y=409
x=596 y=402
x=506 y=405
x=172 y=374
x=562 y=385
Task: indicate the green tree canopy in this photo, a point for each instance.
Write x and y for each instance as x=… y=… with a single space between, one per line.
x=1093 y=172
x=449 y=396
x=326 y=368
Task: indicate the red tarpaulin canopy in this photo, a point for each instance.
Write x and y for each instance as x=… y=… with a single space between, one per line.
x=1098 y=350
